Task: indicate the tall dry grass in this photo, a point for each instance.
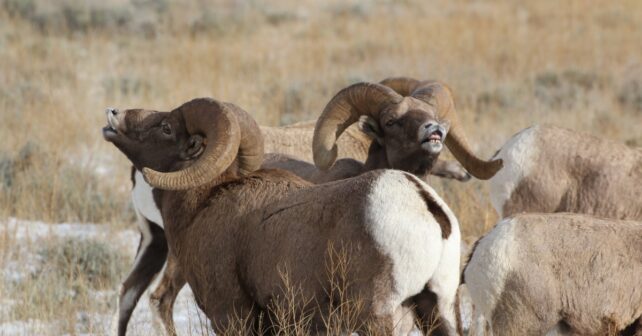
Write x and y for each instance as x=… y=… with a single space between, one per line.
x=511 y=64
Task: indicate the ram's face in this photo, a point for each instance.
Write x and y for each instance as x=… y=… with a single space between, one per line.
x=411 y=134
x=148 y=138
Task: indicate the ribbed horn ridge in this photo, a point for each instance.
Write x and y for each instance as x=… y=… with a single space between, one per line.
x=250 y=155
x=221 y=129
x=402 y=85
x=343 y=110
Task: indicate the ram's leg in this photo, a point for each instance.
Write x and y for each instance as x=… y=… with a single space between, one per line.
x=163 y=298
x=403 y=320
x=379 y=325
x=239 y=318
x=399 y=322
x=478 y=326
x=229 y=308
x=443 y=287
x=150 y=259
x=425 y=304
x=450 y=169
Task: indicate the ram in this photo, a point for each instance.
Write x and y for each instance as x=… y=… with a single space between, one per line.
x=408 y=120
x=549 y=274
x=551 y=169
x=151 y=257
x=231 y=229
x=290 y=147
x=354 y=145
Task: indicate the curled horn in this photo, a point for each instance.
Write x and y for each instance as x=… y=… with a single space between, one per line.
x=343 y=110
x=228 y=130
x=440 y=96
x=250 y=156
x=402 y=85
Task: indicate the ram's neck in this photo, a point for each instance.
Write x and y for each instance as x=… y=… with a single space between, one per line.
x=179 y=208
x=377 y=158
x=418 y=163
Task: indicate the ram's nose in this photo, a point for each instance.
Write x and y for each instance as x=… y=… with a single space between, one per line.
x=111 y=111
x=114 y=117
x=434 y=131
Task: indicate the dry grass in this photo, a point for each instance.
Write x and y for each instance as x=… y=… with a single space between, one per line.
x=58 y=284
x=511 y=64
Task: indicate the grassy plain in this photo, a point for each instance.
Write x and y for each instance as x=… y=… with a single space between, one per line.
x=511 y=64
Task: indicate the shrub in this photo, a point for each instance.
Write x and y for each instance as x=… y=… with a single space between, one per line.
x=64 y=272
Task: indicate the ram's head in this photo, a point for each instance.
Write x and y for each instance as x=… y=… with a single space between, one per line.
x=189 y=146
x=410 y=119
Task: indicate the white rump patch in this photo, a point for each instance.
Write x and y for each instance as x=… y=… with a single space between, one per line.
x=489 y=266
x=405 y=232
x=144 y=200
x=519 y=155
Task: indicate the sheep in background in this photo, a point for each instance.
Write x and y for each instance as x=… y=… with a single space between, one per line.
x=570 y=274
x=408 y=120
x=551 y=169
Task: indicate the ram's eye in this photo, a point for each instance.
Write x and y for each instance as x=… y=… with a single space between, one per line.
x=390 y=122
x=166 y=129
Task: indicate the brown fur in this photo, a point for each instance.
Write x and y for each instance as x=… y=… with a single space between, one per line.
x=166 y=292
x=400 y=125
x=576 y=272
x=580 y=173
x=245 y=273
x=234 y=238
x=291 y=147
x=296 y=140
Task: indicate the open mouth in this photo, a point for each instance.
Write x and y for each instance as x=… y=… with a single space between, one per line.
x=109 y=129
x=109 y=132
x=435 y=137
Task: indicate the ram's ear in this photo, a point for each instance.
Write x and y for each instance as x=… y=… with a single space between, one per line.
x=193 y=148
x=371 y=127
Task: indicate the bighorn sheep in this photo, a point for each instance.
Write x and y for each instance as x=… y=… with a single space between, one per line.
x=571 y=274
x=396 y=114
x=290 y=147
x=408 y=120
x=151 y=257
x=296 y=140
x=551 y=169
x=230 y=229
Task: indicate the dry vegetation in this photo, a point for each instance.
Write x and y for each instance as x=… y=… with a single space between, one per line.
x=511 y=64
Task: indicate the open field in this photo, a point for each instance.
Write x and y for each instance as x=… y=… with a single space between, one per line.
x=576 y=64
